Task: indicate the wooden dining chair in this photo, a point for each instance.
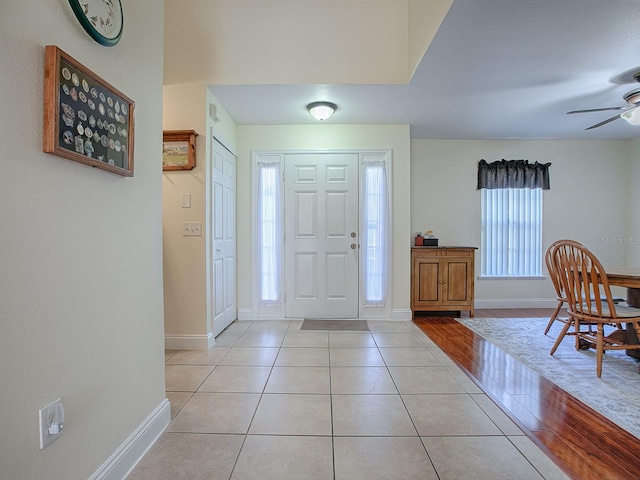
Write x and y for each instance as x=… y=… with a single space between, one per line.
x=589 y=301
x=555 y=280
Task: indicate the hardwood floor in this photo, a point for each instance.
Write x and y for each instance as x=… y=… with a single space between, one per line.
x=581 y=441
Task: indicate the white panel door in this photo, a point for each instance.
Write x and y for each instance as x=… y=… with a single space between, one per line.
x=224 y=238
x=321 y=235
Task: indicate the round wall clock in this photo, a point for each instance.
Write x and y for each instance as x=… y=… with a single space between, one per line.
x=102 y=19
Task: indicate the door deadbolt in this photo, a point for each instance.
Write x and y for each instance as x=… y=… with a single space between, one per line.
x=353 y=234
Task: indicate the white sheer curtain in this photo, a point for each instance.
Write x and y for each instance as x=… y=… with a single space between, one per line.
x=511 y=232
x=375 y=232
x=270 y=230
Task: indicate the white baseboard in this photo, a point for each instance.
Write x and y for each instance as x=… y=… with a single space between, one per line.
x=189 y=342
x=515 y=303
x=402 y=314
x=122 y=461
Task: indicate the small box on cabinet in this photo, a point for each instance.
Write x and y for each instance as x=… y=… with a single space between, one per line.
x=430 y=242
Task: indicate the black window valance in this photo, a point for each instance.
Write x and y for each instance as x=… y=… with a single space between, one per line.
x=513 y=174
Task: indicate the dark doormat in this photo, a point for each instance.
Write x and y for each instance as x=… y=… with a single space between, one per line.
x=340 y=325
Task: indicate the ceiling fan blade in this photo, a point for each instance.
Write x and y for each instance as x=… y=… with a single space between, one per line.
x=615 y=117
x=599 y=109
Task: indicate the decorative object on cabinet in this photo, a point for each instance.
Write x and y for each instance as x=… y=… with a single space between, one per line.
x=86 y=119
x=179 y=149
x=442 y=279
x=103 y=20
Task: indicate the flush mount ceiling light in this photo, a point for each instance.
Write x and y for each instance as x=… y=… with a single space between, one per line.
x=321 y=110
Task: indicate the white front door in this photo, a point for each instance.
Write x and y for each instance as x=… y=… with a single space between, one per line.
x=224 y=238
x=321 y=235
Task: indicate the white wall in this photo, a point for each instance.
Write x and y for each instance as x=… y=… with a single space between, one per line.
x=587 y=201
x=327 y=137
x=188 y=322
x=633 y=200
x=80 y=259
x=184 y=266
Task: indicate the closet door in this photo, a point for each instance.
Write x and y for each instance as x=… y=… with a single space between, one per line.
x=224 y=238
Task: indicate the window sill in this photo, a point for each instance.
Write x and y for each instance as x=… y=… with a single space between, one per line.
x=511 y=277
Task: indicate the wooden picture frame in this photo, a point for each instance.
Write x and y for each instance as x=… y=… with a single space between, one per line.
x=179 y=149
x=86 y=119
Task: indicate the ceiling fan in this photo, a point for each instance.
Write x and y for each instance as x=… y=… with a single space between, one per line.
x=630 y=111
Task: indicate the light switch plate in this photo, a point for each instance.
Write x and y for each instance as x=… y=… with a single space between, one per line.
x=192 y=229
x=51 y=419
x=186 y=200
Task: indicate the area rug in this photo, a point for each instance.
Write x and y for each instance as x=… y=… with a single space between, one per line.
x=616 y=395
x=339 y=325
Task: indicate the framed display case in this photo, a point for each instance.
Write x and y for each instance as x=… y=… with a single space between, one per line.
x=86 y=119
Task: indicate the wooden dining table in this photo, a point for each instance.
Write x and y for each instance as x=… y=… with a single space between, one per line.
x=629 y=278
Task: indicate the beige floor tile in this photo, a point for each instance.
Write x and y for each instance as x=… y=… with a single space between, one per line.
x=284 y=458
x=449 y=414
x=538 y=459
x=361 y=380
x=216 y=413
x=409 y=357
x=299 y=380
x=251 y=356
x=269 y=326
x=198 y=357
x=371 y=415
x=185 y=378
x=236 y=378
x=484 y=458
x=295 y=325
x=177 y=401
x=169 y=353
x=238 y=326
x=292 y=414
x=365 y=458
x=463 y=379
x=187 y=456
x=416 y=380
x=227 y=340
x=355 y=357
x=351 y=339
x=503 y=422
x=394 y=339
x=306 y=339
x=303 y=357
x=442 y=357
x=260 y=339
x=387 y=326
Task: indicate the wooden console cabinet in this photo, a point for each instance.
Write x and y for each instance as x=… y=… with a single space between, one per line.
x=442 y=278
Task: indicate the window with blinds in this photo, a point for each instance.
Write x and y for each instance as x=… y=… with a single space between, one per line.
x=511 y=243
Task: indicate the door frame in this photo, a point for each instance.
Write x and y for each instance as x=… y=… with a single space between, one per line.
x=276 y=310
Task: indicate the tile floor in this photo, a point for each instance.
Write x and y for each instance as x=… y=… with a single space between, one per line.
x=270 y=401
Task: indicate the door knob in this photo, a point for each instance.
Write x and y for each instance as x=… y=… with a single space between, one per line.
x=353 y=246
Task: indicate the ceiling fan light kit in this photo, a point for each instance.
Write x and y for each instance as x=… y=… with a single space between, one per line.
x=630 y=111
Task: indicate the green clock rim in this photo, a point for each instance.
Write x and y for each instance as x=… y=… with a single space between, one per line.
x=86 y=24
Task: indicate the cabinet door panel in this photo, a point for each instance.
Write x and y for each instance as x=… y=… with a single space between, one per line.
x=456 y=286
x=429 y=275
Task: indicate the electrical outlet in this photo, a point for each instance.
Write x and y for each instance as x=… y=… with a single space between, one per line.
x=51 y=422
x=192 y=229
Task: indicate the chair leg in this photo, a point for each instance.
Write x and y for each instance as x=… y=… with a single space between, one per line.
x=563 y=332
x=599 y=349
x=577 y=330
x=553 y=317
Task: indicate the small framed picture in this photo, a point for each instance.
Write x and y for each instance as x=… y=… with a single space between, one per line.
x=86 y=119
x=178 y=149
